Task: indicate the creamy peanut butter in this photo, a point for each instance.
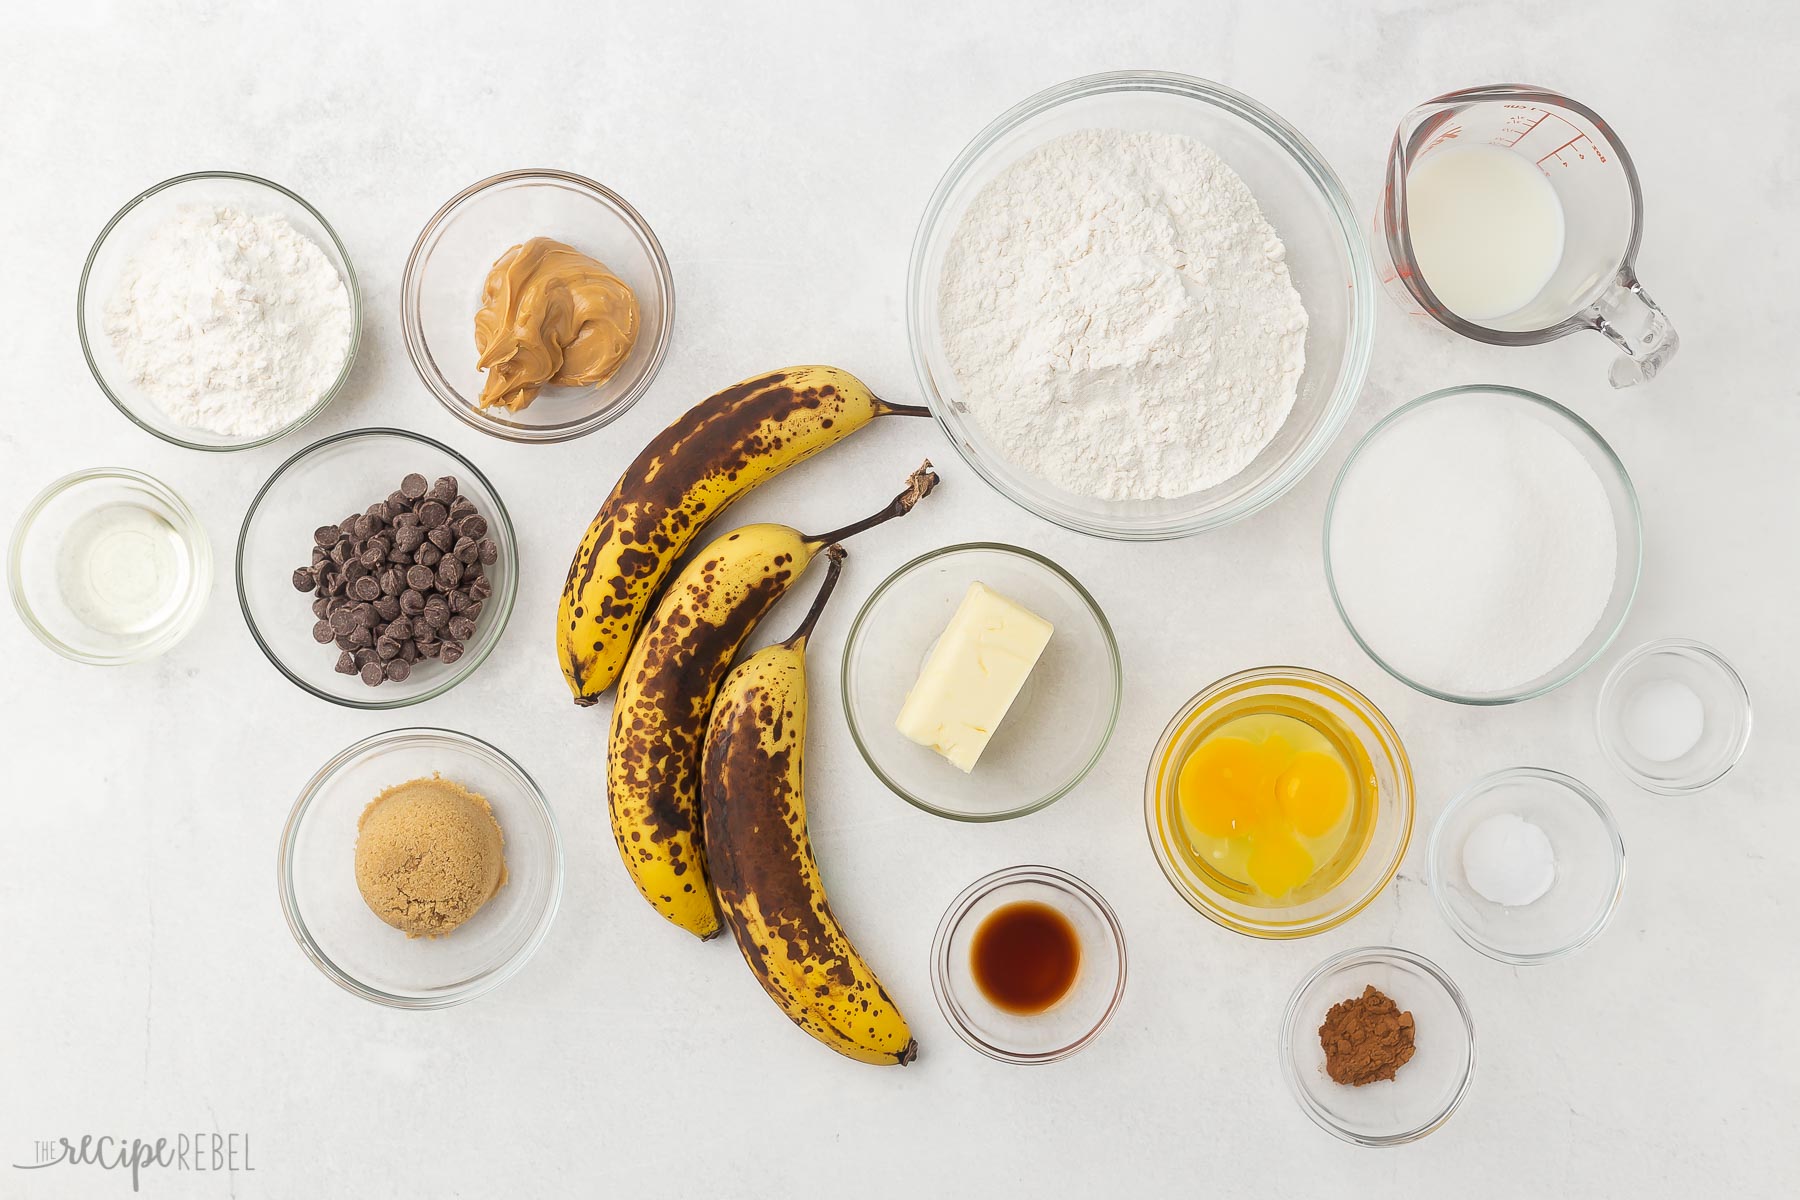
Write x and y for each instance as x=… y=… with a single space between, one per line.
x=550 y=315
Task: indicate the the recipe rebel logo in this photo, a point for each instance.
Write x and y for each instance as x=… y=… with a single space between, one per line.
x=136 y=1158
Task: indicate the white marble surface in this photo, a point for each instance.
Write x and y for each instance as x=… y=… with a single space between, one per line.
x=148 y=985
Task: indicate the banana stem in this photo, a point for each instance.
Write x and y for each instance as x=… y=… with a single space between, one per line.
x=835 y=553
x=918 y=486
x=902 y=410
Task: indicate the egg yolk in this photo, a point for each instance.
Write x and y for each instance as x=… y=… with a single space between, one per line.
x=1261 y=807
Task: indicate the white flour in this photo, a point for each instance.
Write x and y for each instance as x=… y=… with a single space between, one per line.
x=232 y=323
x=1120 y=318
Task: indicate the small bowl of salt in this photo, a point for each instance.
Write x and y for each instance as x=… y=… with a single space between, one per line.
x=219 y=311
x=1673 y=717
x=1527 y=865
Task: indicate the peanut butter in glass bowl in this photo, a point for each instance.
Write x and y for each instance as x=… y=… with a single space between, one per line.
x=550 y=315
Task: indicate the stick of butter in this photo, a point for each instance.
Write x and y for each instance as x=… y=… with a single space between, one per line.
x=973 y=675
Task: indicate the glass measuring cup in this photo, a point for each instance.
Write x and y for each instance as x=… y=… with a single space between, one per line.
x=1595 y=285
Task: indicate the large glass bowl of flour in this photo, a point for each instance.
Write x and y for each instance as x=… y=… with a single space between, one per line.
x=1326 y=260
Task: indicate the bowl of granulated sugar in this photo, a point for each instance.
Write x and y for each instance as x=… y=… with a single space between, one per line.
x=1483 y=544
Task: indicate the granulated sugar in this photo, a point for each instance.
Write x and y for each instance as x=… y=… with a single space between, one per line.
x=1472 y=546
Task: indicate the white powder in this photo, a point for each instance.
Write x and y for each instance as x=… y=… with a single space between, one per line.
x=1473 y=547
x=1509 y=860
x=1120 y=318
x=231 y=323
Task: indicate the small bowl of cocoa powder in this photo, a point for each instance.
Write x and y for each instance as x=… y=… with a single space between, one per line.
x=1378 y=1046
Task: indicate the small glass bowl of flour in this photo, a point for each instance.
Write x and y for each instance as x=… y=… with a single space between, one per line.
x=1527 y=865
x=219 y=311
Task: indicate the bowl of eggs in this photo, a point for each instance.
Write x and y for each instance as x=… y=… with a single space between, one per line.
x=1279 y=802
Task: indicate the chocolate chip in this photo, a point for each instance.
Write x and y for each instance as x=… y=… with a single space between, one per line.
x=321 y=607
x=405 y=519
x=443 y=537
x=450 y=652
x=461 y=628
x=326 y=536
x=490 y=551
x=428 y=554
x=323 y=633
x=365 y=612
x=449 y=573
x=400 y=628
x=372 y=674
x=387 y=648
x=408 y=537
x=372 y=555
x=366 y=588
x=413 y=486
x=398 y=505
x=437 y=613
x=473 y=612
x=420 y=577
x=412 y=602
x=444 y=489
x=388 y=608
x=397 y=670
x=409 y=651
x=432 y=514
x=468 y=551
x=360 y=637
x=365 y=656
x=342 y=641
x=342 y=621
x=305 y=579
x=482 y=588
x=472 y=527
x=391 y=581
x=429 y=649
x=346 y=664
x=379 y=512
x=459 y=600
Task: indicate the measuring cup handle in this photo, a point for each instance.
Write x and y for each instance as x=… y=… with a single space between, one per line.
x=1626 y=314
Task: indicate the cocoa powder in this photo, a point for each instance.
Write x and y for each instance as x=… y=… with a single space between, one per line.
x=1366 y=1038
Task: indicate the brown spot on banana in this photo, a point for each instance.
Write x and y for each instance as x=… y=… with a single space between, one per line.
x=690 y=472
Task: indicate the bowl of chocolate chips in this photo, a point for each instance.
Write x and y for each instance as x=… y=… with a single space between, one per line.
x=377 y=568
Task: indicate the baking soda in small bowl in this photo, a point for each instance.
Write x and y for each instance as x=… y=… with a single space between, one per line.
x=1473 y=548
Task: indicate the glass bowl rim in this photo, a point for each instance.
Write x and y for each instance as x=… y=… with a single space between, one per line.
x=1368 y=710
x=290 y=903
x=413 y=334
x=959 y=909
x=1610 y=687
x=509 y=555
x=1575 y=665
x=1481 y=787
x=854 y=636
x=350 y=281
x=193 y=536
x=1389 y=955
x=1359 y=340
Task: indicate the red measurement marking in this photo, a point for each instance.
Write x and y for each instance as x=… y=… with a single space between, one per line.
x=1523 y=133
x=1558 y=151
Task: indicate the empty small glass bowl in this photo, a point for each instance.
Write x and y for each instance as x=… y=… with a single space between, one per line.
x=1072 y=1022
x=359 y=951
x=1056 y=728
x=441 y=292
x=1385 y=829
x=1628 y=536
x=127 y=232
x=1590 y=867
x=1673 y=717
x=1425 y=1092
x=38 y=567
x=341 y=474
x=1301 y=197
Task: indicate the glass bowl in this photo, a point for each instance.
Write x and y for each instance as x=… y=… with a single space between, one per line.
x=1073 y=1021
x=1627 y=530
x=36 y=567
x=1057 y=726
x=1590 y=867
x=1425 y=1092
x=360 y=952
x=344 y=473
x=441 y=292
x=126 y=233
x=1719 y=720
x=1298 y=193
x=1384 y=824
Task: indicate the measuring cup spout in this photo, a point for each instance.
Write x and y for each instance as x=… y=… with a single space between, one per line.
x=1625 y=313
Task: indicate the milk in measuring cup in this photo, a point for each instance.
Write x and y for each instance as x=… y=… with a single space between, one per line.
x=1486 y=229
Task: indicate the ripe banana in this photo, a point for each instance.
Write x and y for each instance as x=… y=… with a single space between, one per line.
x=762 y=860
x=667 y=690
x=711 y=455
